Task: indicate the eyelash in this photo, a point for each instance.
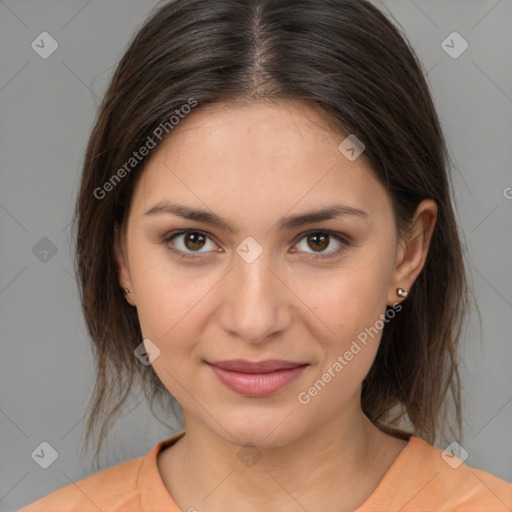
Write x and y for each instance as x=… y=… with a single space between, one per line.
x=342 y=239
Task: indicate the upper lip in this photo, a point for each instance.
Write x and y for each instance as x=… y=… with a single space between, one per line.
x=243 y=366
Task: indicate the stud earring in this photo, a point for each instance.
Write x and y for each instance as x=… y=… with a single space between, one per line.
x=401 y=292
x=126 y=291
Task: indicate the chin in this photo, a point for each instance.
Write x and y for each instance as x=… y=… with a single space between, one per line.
x=260 y=429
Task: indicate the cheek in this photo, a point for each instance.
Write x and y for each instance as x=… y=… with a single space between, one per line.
x=348 y=308
x=351 y=309
x=347 y=300
x=174 y=320
x=167 y=296
x=170 y=309
x=172 y=314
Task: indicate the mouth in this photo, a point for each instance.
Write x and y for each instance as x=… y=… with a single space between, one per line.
x=257 y=379
x=243 y=366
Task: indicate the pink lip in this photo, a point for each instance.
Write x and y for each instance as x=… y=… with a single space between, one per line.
x=256 y=379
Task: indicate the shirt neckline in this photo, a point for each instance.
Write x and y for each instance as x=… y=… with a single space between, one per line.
x=380 y=493
x=154 y=495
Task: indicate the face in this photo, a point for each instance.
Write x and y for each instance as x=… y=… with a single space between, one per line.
x=250 y=278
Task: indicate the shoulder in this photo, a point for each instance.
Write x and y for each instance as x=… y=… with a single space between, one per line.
x=424 y=477
x=109 y=489
x=132 y=485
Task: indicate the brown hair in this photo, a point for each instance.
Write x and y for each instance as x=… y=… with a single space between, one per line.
x=345 y=58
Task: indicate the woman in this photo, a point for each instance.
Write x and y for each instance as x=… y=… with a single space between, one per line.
x=266 y=234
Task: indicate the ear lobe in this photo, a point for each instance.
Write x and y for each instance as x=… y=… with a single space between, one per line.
x=413 y=251
x=123 y=270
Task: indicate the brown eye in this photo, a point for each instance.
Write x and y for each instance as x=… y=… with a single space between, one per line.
x=187 y=242
x=318 y=242
x=322 y=244
x=194 y=241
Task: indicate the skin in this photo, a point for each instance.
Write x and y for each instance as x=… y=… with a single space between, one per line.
x=253 y=164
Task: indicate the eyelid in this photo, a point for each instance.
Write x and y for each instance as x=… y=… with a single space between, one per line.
x=345 y=240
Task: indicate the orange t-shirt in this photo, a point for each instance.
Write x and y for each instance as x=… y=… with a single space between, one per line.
x=418 y=480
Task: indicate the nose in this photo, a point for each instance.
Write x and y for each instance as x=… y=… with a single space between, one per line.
x=256 y=301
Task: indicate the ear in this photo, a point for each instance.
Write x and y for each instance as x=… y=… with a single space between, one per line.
x=123 y=269
x=413 y=249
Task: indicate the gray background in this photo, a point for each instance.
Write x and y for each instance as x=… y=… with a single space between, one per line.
x=47 y=109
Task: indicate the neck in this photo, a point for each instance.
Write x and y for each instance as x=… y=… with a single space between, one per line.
x=343 y=459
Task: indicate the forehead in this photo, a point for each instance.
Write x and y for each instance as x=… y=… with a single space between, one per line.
x=264 y=154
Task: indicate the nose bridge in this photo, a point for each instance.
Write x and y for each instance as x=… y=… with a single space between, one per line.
x=256 y=304
x=255 y=277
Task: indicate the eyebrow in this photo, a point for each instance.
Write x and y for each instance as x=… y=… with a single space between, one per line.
x=290 y=222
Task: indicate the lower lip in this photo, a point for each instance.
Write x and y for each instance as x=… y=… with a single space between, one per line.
x=257 y=384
